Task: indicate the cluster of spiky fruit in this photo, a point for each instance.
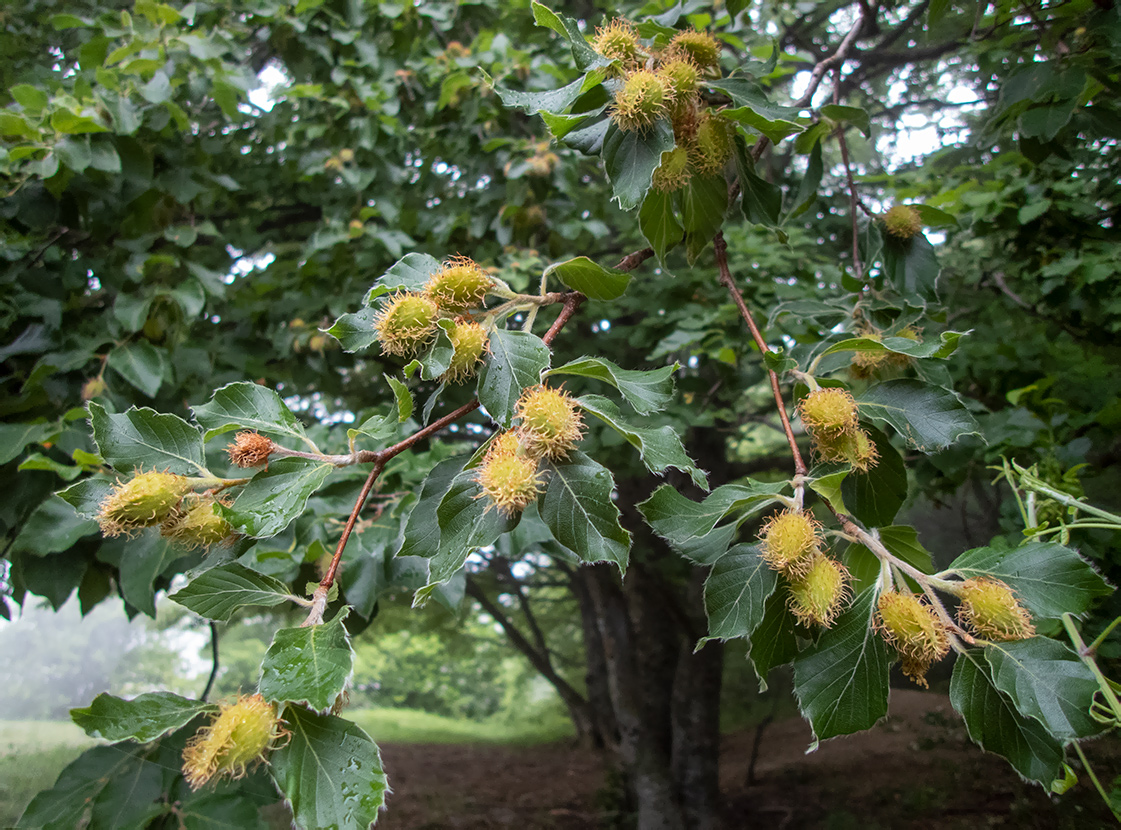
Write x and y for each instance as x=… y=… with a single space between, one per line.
x=409 y=321
x=549 y=425
x=169 y=501
x=790 y=542
x=830 y=417
x=657 y=85
x=867 y=363
x=238 y=737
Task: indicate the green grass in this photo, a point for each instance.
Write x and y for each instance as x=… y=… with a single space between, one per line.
x=410 y=726
x=32 y=754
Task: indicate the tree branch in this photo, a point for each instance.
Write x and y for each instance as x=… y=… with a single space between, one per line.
x=213 y=662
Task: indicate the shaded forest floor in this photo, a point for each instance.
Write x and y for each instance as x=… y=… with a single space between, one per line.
x=917 y=769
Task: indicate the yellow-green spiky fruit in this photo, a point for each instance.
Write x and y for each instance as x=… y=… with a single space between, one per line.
x=640 y=101
x=990 y=608
x=460 y=284
x=790 y=542
x=702 y=48
x=712 y=144
x=902 y=222
x=865 y=364
x=817 y=597
x=94 y=388
x=829 y=412
x=509 y=481
x=855 y=448
x=912 y=627
x=673 y=173
x=505 y=443
x=144 y=500
x=406 y=323
x=680 y=75
x=238 y=737
x=550 y=424
x=198 y=524
x=469 y=343
x=618 y=41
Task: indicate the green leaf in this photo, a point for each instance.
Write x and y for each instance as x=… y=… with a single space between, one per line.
x=747 y=93
x=402 y=396
x=647 y=390
x=945 y=346
x=38 y=461
x=773 y=643
x=247 y=406
x=87 y=495
x=467 y=521
x=275 y=497
x=762 y=201
x=355 y=332
x=842 y=682
x=911 y=265
x=703 y=204
x=841 y=114
x=409 y=273
x=14 y=437
x=516 y=360
x=52 y=527
x=736 y=593
x=1048 y=578
x=584 y=55
x=659 y=224
x=330 y=771
x=994 y=723
x=141 y=719
x=1046 y=681
x=107 y=786
x=421 y=537
x=774 y=129
x=554 y=100
x=142 y=561
x=807 y=187
x=67 y=121
x=659 y=448
x=630 y=159
x=378 y=428
x=143 y=439
x=930 y=418
x=219 y=592
x=690 y=527
x=577 y=507
x=876 y=496
x=310 y=664
x=592 y=280
x=141 y=364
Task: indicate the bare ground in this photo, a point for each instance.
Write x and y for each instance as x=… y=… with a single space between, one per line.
x=916 y=769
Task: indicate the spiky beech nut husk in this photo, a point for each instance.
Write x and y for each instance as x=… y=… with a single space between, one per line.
x=550 y=423
x=712 y=144
x=239 y=736
x=790 y=542
x=828 y=412
x=680 y=75
x=94 y=388
x=406 y=323
x=817 y=597
x=505 y=443
x=640 y=101
x=701 y=47
x=989 y=607
x=197 y=524
x=250 y=449
x=855 y=448
x=509 y=481
x=618 y=41
x=469 y=342
x=673 y=173
x=142 y=501
x=902 y=221
x=460 y=284
x=912 y=627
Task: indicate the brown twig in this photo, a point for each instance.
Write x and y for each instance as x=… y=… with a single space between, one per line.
x=721 y=248
x=379 y=458
x=854 y=201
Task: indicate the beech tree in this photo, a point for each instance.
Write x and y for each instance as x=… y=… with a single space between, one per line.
x=481 y=301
